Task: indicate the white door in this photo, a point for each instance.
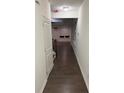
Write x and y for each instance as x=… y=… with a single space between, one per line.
x=48 y=45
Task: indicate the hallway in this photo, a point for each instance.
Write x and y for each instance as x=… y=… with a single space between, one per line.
x=62 y=21
x=65 y=76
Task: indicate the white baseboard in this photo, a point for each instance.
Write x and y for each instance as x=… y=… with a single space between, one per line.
x=80 y=66
x=45 y=81
x=43 y=86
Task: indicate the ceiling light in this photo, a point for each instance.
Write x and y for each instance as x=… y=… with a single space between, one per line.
x=65 y=8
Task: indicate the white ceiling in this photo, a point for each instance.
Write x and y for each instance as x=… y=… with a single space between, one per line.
x=74 y=4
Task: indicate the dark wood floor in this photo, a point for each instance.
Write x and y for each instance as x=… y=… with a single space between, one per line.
x=66 y=76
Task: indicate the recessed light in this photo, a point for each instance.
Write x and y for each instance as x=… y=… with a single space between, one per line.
x=65 y=8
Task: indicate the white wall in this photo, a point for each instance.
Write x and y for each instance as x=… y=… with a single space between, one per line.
x=81 y=41
x=40 y=63
x=45 y=8
x=65 y=14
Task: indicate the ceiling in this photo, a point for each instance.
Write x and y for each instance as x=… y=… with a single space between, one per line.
x=72 y=4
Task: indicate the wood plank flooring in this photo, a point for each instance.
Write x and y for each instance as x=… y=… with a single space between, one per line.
x=66 y=76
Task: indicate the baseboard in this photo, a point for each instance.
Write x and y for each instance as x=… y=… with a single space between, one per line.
x=45 y=81
x=80 y=66
x=51 y=68
x=43 y=86
x=82 y=73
